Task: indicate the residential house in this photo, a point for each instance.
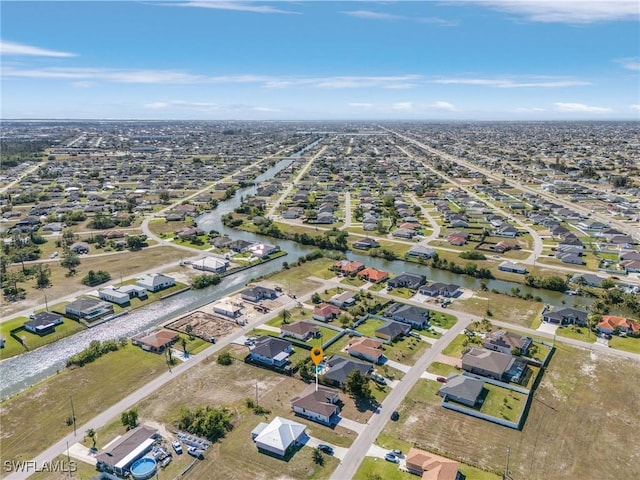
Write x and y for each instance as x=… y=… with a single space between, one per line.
x=588 y=279
x=372 y=275
x=155 y=282
x=565 y=316
x=408 y=280
x=456 y=240
x=263 y=250
x=415 y=316
x=343 y=300
x=43 y=323
x=211 y=264
x=301 y=330
x=430 y=466
x=319 y=404
x=508 y=266
x=126 y=449
x=79 y=248
x=421 y=251
x=403 y=233
x=391 y=330
x=157 y=341
x=462 y=389
x=366 y=349
x=325 y=312
x=366 y=243
x=87 y=308
x=257 y=293
x=506 y=230
x=506 y=342
x=280 y=437
x=496 y=365
x=338 y=369
x=271 y=351
x=227 y=308
x=113 y=295
x=240 y=246
x=350 y=268
x=449 y=290
x=611 y=324
x=569 y=258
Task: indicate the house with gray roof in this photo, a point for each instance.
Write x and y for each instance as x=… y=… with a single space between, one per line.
x=392 y=330
x=415 y=316
x=339 y=368
x=257 y=293
x=43 y=323
x=89 y=309
x=271 y=351
x=319 y=404
x=409 y=280
x=462 y=389
x=505 y=342
x=487 y=363
x=565 y=316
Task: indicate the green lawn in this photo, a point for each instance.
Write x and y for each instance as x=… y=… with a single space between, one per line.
x=627 y=344
x=442 y=320
x=295 y=278
x=370 y=467
x=13 y=347
x=514 y=310
x=442 y=369
x=353 y=281
x=401 y=292
x=337 y=346
x=503 y=403
x=576 y=332
x=455 y=348
x=369 y=327
x=406 y=350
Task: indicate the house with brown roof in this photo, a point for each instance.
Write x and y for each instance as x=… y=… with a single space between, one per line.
x=610 y=324
x=325 y=312
x=320 y=405
x=432 y=467
x=506 y=342
x=300 y=330
x=157 y=341
x=366 y=348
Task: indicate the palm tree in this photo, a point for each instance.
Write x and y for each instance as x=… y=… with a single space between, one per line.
x=91 y=433
x=285 y=315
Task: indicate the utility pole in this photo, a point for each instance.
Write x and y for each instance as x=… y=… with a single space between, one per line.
x=506 y=470
x=73 y=415
x=46 y=304
x=256 y=393
x=68 y=460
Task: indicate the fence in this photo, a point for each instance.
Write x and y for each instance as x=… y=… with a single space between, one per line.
x=489 y=418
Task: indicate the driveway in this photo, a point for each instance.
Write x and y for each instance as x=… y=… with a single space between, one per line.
x=82 y=453
x=398 y=366
x=549 y=328
x=454 y=362
x=338 y=452
x=430 y=376
x=351 y=425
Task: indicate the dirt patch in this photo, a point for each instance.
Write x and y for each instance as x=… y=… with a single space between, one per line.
x=204 y=325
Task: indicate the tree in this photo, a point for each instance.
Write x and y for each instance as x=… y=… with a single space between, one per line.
x=225 y=358
x=316 y=298
x=318 y=458
x=358 y=386
x=70 y=260
x=43 y=274
x=165 y=196
x=285 y=315
x=129 y=418
x=91 y=433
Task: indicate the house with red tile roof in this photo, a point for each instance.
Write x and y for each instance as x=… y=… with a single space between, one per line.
x=325 y=312
x=366 y=348
x=430 y=466
x=611 y=323
x=373 y=275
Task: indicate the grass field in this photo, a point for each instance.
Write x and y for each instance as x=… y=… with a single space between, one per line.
x=627 y=344
x=503 y=403
x=576 y=332
x=455 y=348
x=442 y=320
x=567 y=438
x=443 y=369
x=94 y=387
x=406 y=350
x=369 y=327
x=503 y=307
x=295 y=278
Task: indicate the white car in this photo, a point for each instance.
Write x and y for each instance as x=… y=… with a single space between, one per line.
x=177 y=447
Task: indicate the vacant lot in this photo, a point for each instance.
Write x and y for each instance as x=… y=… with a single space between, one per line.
x=295 y=279
x=582 y=404
x=503 y=307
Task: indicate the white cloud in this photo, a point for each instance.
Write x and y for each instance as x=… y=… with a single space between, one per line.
x=156 y=105
x=266 y=109
x=529 y=109
x=11 y=48
x=370 y=15
x=360 y=105
x=579 y=107
x=508 y=83
x=405 y=106
x=82 y=84
x=635 y=106
x=630 y=63
x=440 y=105
x=236 y=6
x=568 y=11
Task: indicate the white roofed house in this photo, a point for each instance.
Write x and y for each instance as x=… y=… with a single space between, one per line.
x=211 y=264
x=280 y=437
x=155 y=282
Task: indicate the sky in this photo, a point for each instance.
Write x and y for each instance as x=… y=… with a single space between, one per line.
x=308 y=60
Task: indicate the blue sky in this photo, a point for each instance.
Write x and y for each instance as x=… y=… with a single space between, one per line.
x=479 y=60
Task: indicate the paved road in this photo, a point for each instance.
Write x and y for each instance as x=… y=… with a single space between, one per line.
x=427 y=214
x=347 y=209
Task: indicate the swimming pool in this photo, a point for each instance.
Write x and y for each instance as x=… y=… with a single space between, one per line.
x=143 y=468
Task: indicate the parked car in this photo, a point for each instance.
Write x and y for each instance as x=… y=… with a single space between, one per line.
x=414 y=334
x=396 y=452
x=177 y=447
x=390 y=457
x=395 y=415
x=326 y=449
x=54 y=255
x=195 y=452
x=441 y=379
